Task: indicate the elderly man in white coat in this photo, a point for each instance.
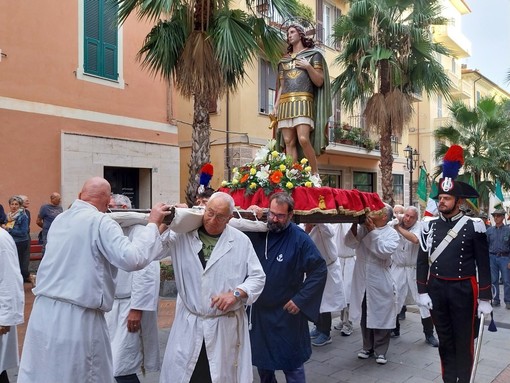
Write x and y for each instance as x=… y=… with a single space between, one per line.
x=217 y=272
x=403 y=271
x=373 y=290
x=133 y=320
x=12 y=301
x=333 y=297
x=67 y=338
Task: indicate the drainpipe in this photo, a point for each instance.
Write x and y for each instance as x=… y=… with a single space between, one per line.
x=227 y=139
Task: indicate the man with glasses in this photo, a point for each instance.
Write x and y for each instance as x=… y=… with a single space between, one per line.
x=217 y=272
x=280 y=337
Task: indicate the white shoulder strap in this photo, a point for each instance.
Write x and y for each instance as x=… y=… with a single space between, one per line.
x=452 y=233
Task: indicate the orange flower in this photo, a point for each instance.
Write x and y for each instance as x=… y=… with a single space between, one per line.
x=276 y=177
x=297 y=166
x=244 y=178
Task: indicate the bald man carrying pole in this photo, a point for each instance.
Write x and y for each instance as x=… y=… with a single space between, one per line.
x=67 y=338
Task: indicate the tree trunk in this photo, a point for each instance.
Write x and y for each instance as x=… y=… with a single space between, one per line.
x=200 y=145
x=386 y=162
x=386 y=165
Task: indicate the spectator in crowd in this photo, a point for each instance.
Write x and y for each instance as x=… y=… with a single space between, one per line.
x=203 y=197
x=217 y=272
x=279 y=336
x=17 y=227
x=12 y=299
x=333 y=297
x=403 y=271
x=47 y=214
x=133 y=320
x=347 y=258
x=373 y=293
x=67 y=337
x=26 y=205
x=498 y=237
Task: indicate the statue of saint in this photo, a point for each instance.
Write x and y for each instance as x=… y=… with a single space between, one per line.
x=303 y=101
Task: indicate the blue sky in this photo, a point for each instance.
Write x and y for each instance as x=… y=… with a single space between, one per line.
x=488 y=28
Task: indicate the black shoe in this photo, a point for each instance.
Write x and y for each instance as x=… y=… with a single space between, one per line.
x=496 y=303
x=431 y=339
x=395 y=333
x=402 y=314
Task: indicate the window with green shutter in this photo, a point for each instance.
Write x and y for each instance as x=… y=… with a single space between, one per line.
x=100 y=38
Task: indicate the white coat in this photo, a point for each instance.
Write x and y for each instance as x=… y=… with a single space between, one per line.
x=372 y=276
x=346 y=256
x=137 y=290
x=333 y=297
x=403 y=271
x=67 y=338
x=233 y=264
x=12 y=300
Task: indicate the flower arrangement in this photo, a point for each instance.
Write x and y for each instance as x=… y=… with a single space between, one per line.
x=272 y=170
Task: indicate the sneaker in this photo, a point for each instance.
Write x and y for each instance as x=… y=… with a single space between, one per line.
x=381 y=359
x=314 y=333
x=431 y=339
x=346 y=329
x=321 y=340
x=364 y=354
x=338 y=326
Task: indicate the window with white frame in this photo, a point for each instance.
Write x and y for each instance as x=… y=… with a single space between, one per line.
x=267 y=87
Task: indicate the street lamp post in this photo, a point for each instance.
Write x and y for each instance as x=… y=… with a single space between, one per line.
x=411 y=155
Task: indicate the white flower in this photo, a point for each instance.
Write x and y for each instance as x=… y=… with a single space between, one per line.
x=316 y=180
x=271 y=144
x=292 y=173
x=261 y=156
x=263 y=173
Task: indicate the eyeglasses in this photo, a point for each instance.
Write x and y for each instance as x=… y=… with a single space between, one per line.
x=279 y=217
x=218 y=217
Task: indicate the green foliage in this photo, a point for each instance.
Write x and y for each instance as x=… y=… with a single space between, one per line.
x=166 y=272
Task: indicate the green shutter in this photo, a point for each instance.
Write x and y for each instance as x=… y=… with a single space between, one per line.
x=100 y=38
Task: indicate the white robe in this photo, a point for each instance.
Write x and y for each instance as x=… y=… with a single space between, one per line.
x=403 y=271
x=12 y=300
x=333 y=297
x=67 y=339
x=346 y=256
x=372 y=275
x=137 y=290
x=233 y=264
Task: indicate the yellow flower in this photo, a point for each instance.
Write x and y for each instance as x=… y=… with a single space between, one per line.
x=224 y=183
x=234 y=170
x=283 y=167
x=235 y=181
x=304 y=161
x=275 y=154
x=308 y=169
x=289 y=185
x=253 y=185
x=253 y=171
x=308 y=184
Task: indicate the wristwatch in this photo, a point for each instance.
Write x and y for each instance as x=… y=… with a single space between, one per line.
x=237 y=294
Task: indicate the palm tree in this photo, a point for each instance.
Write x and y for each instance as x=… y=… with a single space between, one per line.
x=387 y=56
x=484 y=133
x=203 y=46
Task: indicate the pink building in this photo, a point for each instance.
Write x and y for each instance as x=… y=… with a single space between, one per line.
x=75 y=103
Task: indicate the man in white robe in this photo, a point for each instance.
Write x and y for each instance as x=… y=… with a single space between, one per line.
x=403 y=271
x=133 y=320
x=217 y=272
x=347 y=258
x=12 y=301
x=333 y=297
x=67 y=338
x=373 y=289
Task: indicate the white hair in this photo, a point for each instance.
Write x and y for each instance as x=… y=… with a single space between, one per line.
x=225 y=197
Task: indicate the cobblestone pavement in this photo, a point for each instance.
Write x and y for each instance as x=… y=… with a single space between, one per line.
x=410 y=359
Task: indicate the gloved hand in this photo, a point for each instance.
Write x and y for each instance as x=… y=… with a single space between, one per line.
x=425 y=301
x=484 y=307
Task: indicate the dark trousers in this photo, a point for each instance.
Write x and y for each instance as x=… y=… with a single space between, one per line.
x=377 y=340
x=454 y=317
x=132 y=378
x=201 y=373
x=3 y=377
x=291 y=376
x=428 y=326
x=324 y=323
x=23 y=248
